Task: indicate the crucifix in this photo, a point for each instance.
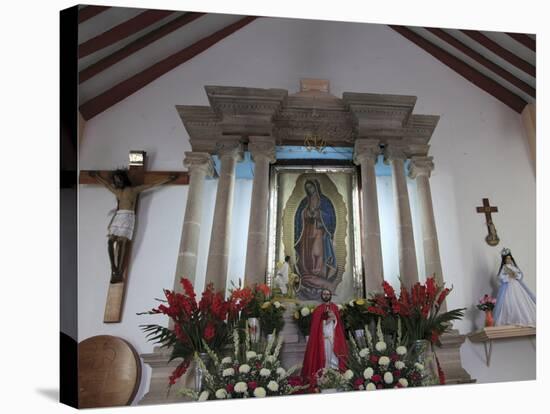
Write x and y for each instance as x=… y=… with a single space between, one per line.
x=491 y=238
x=126 y=185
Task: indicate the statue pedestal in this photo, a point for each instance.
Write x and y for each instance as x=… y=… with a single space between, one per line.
x=294 y=344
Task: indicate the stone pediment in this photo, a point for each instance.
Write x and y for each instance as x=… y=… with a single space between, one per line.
x=236 y=113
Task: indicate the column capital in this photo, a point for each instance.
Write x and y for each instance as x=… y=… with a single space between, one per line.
x=395 y=151
x=421 y=166
x=262 y=147
x=366 y=149
x=230 y=149
x=199 y=161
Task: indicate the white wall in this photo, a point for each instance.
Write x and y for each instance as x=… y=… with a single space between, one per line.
x=478 y=150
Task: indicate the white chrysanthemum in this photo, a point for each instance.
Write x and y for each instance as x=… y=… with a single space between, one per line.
x=370 y=387
x=264 y=372
x=403 y=382
x=204 y=396
x=227 y=360
x=221 y=394
x=348 y=374
x=380 y=346
x=251 y=354
x=368 y=373
x=272 y=386
x=305 y=311
x=244 y=369
x=401 y=350
x=259 y=392
x=277 y=304
x=228 y=372
x=419 y=366
x=351 y=303
x=241 y=387
x=384 y=361
x=400 y=365
x=363 y=353
x=270 y=358
x=388 y=377
x=281 y=371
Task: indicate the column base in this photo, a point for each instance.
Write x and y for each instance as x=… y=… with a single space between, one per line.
x=448 y=354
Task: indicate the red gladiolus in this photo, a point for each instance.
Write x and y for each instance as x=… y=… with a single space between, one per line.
x=373 y=359
x=229 y=388
x=358 y=382
x=178 y=372
x=263 y=288
x=209 y=331
x=376 y=311
x=435 y=336
x=252 y=385
x=388 y=290
x=376 y=378
x=431 y=289
x=442 y=296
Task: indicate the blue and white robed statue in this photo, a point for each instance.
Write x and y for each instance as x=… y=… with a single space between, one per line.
x=515 y=302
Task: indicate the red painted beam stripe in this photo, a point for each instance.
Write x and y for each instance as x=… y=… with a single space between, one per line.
x=127 y=87
x=524 y=40
x=87 y=12
x=501 y=52
x=457 y=44
x=136 y=45
x=121 y=31
x=483 y=82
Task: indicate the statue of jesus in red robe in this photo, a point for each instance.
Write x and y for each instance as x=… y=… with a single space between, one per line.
x=326 y=347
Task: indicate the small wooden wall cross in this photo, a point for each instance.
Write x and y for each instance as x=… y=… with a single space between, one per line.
x=491 y=238
x=126 y=187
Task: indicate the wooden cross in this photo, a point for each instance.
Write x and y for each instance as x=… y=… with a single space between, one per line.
x=492 y=238
x=138 y=176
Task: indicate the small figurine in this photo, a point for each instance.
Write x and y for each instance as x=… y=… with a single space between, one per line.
x=516 y=304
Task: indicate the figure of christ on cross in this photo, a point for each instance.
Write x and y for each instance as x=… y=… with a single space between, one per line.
x=121 y=227
x=492 y=237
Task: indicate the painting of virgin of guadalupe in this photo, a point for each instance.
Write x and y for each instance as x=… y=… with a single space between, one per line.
x=314 y=227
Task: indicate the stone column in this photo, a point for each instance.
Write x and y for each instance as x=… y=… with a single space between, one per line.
x=199 y=165
x=366 y=153
x=420 y=169
x=263 y=153
x=216 y=268
x=408 y=269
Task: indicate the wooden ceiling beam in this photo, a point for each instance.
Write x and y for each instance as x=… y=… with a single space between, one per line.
x=121 y=31
x=524 y=40
x=136 y=45
x=480 y=80
x=131 y=85
x=501 y=52
x=479 y=58
x=87 y=12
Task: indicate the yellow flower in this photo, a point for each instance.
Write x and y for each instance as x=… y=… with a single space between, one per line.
x=266 y=305
x=360 y=302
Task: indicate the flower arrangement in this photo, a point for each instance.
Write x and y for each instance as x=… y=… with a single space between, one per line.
x=197 y=326
x=486 y=303
x=246 y=373
x=329 y=378
x=271 y=316
x=302 y=318
x=355 y=314
x=418 y=309
x=246 y=302
x=381 y=365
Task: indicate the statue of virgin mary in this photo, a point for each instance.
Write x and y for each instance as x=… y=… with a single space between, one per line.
x=515 y=302
x=314 y=227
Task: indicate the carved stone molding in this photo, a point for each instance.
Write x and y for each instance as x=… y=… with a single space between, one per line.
x=262 y=147
x=366 y=149
x=421 y=166
x=200 y=161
